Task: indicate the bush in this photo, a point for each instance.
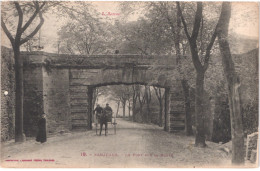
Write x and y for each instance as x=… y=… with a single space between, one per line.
x=250 y=117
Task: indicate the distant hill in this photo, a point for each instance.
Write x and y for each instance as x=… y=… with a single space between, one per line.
x=241 y=44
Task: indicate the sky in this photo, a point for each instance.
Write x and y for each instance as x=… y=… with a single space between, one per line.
x=244 y=21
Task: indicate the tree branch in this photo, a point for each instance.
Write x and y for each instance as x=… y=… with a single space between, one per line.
x=210 y=45
x=33 y=16
x=193 y=38
x=166 y=15
x=35 y=30
x=8 y=34
x=20 y=20
x=196 y=26
x=201 y=36
x=156 y=91
x=171 y=24
x=183 y=22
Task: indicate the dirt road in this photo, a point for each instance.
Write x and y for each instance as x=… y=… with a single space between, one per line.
x=134 y=145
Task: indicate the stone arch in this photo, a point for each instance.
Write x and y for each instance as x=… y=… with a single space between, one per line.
x=62 y=80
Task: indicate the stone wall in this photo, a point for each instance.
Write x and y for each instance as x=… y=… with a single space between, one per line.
x=7 y=101
x=177 y=109
x=56 y=99
x=79 y=101
x=33 y=99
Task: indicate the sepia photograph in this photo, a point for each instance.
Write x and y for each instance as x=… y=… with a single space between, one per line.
x=129 y=84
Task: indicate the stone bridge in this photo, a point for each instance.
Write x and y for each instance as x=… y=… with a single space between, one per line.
x=62 y=86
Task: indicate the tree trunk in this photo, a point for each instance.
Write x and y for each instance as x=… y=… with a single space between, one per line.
x=147 y=97
x=133 y=110
x=233 y=86
x=160 y=113
x=167 y=110
x=177 y=37
x=19 y=94
x=90 y=109
x=160 y=100
x=134 y=103
x=141 y=110
x=94 y=100
x=199 y=92
x=118 y=104
x=129 y=108
x=188 y=125
x=141 y=103
x=123 y=103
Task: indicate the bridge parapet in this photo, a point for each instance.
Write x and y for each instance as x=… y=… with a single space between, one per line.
x=98 y=61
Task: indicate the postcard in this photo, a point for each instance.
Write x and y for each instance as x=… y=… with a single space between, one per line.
x=129 y=84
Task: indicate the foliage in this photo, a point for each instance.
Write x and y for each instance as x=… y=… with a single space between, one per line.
x=28 y=15
x=250 y=118
x=83 y=32
x=144 y=37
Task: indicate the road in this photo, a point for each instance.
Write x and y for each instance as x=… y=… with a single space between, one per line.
x=134 y=145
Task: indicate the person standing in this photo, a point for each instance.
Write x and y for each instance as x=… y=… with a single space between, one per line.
x=108 y=110
x=41 y=136
x=106 y=114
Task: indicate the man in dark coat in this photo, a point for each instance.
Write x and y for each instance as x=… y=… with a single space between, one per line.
x=104 y=118
x=98 y=110
x=41 y=136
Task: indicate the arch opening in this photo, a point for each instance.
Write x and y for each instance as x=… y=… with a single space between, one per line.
x=131 y=102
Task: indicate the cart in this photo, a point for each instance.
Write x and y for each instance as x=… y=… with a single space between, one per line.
x=111 y=120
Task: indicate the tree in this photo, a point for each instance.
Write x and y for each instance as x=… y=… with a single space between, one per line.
x=200 y=62
x=160 y=97
x=134 y=98
x=125 y=96
x=233 y=83
x=186 y=91
x=121 y=94
x=117 y=110
x=144 y=36
x=129 y=108
x=84 y=33
x=141 y=100
x=172 y=17
x=148 y=98
x=123 y=101
x=21 y=10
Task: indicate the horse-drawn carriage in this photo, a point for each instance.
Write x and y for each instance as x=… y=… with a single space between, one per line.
x=109 y=118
